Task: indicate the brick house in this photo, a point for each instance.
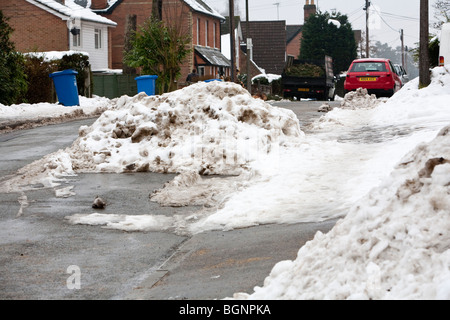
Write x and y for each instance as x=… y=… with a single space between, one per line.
x=59 y=25
x=194 y=17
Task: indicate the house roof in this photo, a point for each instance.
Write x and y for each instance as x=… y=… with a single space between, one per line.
x=196 y=5
x=71 y=10
x=202 y=7
x=225 y=26
x=269 y=44
x=212 y=56
x=292 y=31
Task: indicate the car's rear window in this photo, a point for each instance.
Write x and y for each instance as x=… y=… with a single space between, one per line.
x=368 y=67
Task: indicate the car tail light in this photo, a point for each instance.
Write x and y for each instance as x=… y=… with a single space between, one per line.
x=441 y=61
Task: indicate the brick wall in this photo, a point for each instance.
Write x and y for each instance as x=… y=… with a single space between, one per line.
x=35 y=28
x=206 y=27
x=142 y=9
x=293 y=47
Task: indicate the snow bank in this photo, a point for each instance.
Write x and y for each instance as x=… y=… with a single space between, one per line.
x=419 y=109
x=393 y=244
x=31 y=115
x=27 y=111
x=209 y=128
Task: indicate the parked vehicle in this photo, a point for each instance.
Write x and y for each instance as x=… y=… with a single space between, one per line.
x=309 y=79
x=444 y=50
x=401 y=72
x=378 y=76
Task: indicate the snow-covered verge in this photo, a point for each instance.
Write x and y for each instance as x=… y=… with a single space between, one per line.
x=25 y=116
x=394 y=242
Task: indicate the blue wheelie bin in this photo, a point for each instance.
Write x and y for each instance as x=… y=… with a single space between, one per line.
x=147 y=84
x=66 y=87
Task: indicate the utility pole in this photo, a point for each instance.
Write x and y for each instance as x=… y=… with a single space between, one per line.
x=406 y=59
x=367 y=29
x=403 y=48
x=232 y=42
x=424 y=61
x=249 y=48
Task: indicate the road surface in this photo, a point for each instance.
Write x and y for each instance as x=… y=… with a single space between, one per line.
x=42 y=256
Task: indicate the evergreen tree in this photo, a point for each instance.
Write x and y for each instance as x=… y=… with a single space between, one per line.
x=322 y=36
x=12 y=77
x=159 y=48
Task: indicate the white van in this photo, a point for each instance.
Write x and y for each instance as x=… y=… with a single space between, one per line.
x=444 y=51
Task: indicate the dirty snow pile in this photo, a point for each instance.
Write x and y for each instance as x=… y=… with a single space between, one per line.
x=394 y=242
x=209 y=128
x=354 y=100
x=359 y=99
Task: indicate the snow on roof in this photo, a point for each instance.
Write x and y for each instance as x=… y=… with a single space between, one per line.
x=201 y=6
x=196 y=5
x=71 y=10
x=54 y=55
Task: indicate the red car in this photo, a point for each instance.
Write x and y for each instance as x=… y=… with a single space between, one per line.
x=378 y=76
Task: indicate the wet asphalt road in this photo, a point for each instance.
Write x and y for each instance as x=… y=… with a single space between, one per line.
x=44 y=257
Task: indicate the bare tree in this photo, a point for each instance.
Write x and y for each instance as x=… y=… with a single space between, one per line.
x=442 y=13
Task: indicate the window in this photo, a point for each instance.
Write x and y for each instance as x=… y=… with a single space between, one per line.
x=198 y=31
x=159 y=9
x=214 y=35
x=98 y=38
x=76 y=40
x=368 y=67
x=206 y=32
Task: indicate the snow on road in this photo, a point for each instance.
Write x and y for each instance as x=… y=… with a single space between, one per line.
x=381 y=165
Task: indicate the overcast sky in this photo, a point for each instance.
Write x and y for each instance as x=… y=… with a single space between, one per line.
x=391 y=16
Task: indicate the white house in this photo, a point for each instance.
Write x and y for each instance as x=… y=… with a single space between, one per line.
x=59 y=25
x=88 y=31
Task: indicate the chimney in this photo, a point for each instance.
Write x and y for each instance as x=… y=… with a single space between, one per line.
x=309 y=8
x=99 y=4
x=63 y=2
